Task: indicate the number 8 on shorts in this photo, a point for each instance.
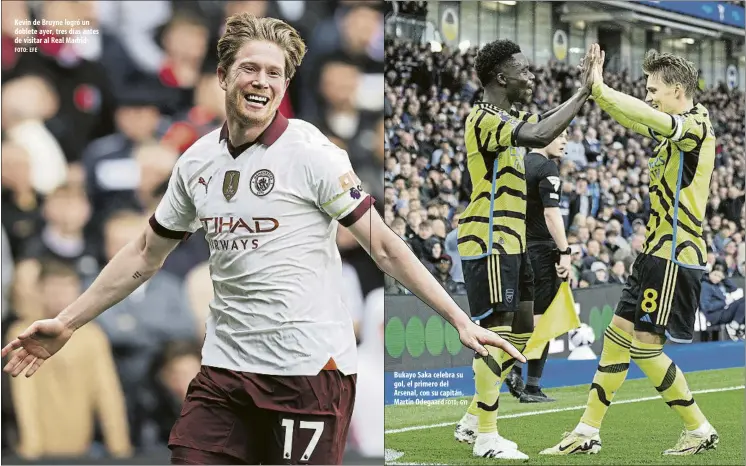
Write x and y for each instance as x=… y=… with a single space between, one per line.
x=661 y=297
x=649 y=301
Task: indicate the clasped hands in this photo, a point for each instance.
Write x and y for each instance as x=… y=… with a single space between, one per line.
x=591 y=67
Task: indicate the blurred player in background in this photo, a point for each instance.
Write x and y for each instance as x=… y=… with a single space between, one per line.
x=492 y=229
x=277 y=383
x=548 y=251
x=662 y=295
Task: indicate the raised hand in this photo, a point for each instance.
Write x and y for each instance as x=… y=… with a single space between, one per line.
x=35 y=345
x=585 y=67
x=597 y=68
x=591 y=67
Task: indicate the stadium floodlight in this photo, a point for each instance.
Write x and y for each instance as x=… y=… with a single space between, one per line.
x=687 y=40
x=464 y=46
x=435 y=47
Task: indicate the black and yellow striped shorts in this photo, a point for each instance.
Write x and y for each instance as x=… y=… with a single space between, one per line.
x=661 y=297
x=497 y=283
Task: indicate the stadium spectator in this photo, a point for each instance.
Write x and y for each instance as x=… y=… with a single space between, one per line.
x=21 y=203
x=86 y=101
x=65 y=213
x=57 y=411
x=618 y=275
x=443 y=273
x=172 y=371
x=138 y=326
x=112 y=173
x=206 y=113
x=27 y=102
x=604 y=176
x=722 y=302
x=575 y=149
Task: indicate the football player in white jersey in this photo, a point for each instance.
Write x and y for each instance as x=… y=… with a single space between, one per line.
x=277 y=384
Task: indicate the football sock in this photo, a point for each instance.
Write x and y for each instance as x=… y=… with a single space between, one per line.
x=669 y=381
x=585 y=430
x=611 y=372
x=489 y=373
x=535 y=369
x=702 y=430
x=473 y=409
x=518 y=368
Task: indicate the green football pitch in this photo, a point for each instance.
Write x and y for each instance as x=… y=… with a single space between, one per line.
x=637 y=428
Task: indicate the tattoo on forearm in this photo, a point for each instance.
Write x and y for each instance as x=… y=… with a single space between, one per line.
x=136 y=275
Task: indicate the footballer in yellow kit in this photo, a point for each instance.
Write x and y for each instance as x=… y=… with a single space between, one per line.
x=662 y=295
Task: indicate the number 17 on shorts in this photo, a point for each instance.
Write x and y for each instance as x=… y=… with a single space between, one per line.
x=299 y=439
x=288 y=425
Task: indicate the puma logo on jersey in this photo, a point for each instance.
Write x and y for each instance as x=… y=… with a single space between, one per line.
x=555 y=182
x=204 y=183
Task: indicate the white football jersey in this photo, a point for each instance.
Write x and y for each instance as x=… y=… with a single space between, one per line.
x=270 y=215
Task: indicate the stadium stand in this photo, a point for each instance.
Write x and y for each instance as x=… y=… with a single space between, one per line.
x=90 y=133
x=605 y=200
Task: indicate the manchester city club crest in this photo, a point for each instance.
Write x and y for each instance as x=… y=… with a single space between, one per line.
x=262 y=182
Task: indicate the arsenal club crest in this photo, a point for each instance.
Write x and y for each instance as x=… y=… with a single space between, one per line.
x=262 y=182
x=509 y=295
x=230 y=184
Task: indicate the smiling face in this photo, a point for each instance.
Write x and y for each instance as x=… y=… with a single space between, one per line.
x=661 y=96
x=518 y=79
x=671 y=81
x=255 y=83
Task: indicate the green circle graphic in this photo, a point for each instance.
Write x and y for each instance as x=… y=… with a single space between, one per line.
x=434 y=335
x=415 y=337
x=453 y=342
x=395 y=337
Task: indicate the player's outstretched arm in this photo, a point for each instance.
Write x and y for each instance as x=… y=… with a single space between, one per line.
x=132 y=266
x=629 y=111
x=541 y=134
x=393 y=256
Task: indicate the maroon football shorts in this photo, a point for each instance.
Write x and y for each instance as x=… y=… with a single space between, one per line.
x=232 y=417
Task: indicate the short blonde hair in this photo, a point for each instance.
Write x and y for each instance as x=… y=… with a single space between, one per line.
x=673 y=70
x=244 y=27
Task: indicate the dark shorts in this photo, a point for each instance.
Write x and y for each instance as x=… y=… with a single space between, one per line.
x=544 y=256
x=497 y=283
x=662 y=298
x=250 y=418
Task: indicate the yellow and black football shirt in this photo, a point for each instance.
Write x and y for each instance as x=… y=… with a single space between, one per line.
x=680 y=173
x=494 y=222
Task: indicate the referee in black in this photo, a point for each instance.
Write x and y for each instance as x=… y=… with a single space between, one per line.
x=548 y=251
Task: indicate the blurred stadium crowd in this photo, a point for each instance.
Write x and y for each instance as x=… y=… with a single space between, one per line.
x=605 y=199
x=90 y=133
